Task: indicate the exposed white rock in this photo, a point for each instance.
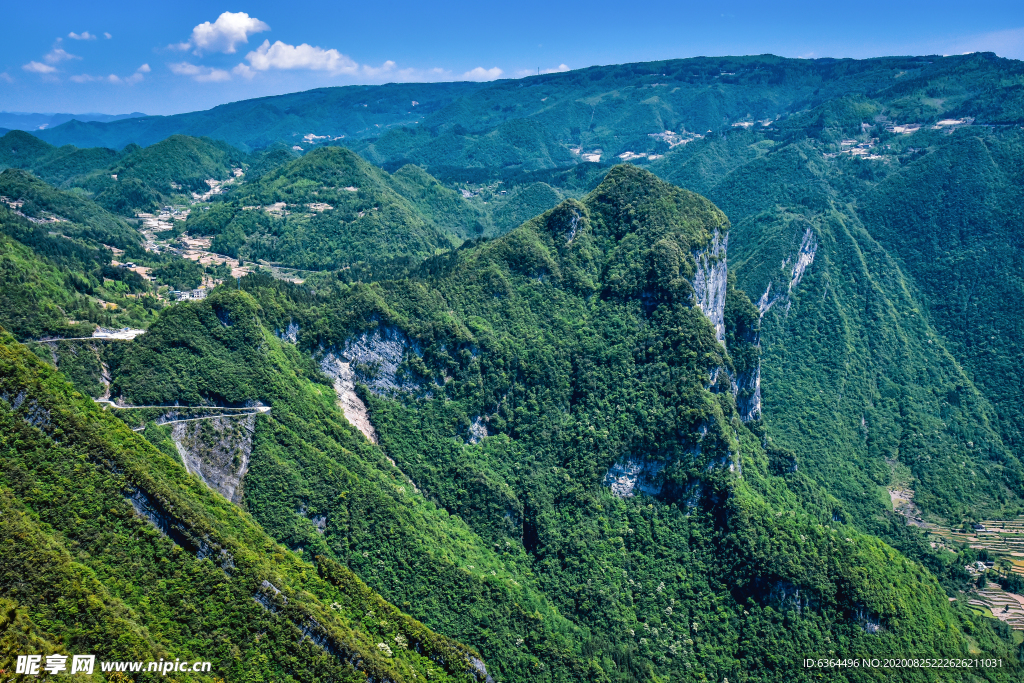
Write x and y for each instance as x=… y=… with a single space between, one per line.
x=634 y=474
x=376 y=358
x=709 y=281
x=767 y=300
x=750 y=409
x=348 y=400
x=478 y=430
x=804 y=258
x=220 y=459
x=290 y=333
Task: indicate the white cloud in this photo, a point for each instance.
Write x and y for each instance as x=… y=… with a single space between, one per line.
x=203 y=74
x=114 y=78
x=387 y=67
x=482 y=74
x=283 y=56
x=84 y=35
x=244 y=71
x=6 y=77
x=107 y=35
x=230 y=29
x=522 y=73
x=138 y=75
x=58 y=55
x=38 y=68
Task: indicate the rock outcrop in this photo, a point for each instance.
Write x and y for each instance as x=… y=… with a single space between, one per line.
x=803 y=258
x=710 y=280
x=377 y=360
x=478 y=430
x=217 y=450
x=749 y=405
x=348 y=400
x=631 y=475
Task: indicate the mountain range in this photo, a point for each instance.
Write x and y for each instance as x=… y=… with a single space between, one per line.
x=683 y=370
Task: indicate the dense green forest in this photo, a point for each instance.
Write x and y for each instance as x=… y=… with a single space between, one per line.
x=572 y=339
x=111 y=548
x=580 y=421
x=337 y=211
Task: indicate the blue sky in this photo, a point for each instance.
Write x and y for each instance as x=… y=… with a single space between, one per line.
x=164 y=58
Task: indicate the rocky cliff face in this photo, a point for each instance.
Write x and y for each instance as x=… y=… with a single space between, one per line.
x=633 y=475
x=709 y=281
x=748 y=400
x=217 y=450
x=801 y=260
x=348 y=400
x=478 y=430
x=375 y=359
x=289 y=333
x=747 y=390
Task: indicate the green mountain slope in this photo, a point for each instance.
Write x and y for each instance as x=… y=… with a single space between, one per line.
x=67 y=213
x=146 y=177
x=307 y=463
x=952 y=218
x=58 y=282
x=511 y=389
x=57 y=166
x=111 y=548
x=134 y=179
x=337 y=211
x=534 y=122
x=857 y=261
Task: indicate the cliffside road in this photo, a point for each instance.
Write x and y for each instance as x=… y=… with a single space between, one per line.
x=221 y=412
x=241 y=411
x=126 y=334
x=207 y=417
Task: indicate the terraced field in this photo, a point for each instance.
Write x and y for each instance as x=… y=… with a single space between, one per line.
x=1004 y=606
x=1003 y=539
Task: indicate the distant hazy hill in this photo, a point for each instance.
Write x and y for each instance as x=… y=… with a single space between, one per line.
x=21 y=121
x=353 y=112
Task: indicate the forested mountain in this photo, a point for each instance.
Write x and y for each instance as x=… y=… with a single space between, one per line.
x=751 y=397
x=111 y=548
x=527 y=369
x=330 y=209
x=534 y=122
